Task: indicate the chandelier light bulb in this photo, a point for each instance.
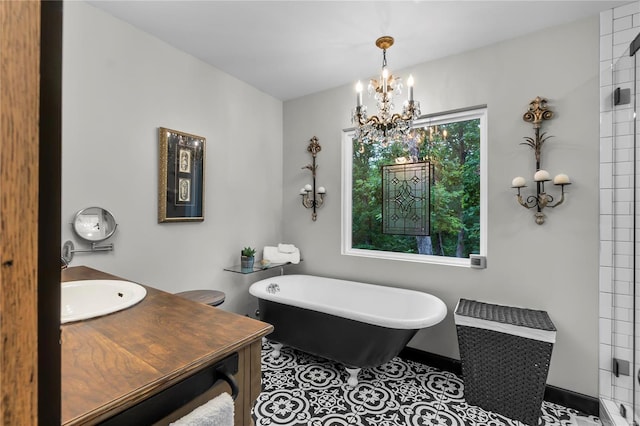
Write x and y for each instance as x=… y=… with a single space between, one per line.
x=359 y=93
x=385 y=78
x=410 y=85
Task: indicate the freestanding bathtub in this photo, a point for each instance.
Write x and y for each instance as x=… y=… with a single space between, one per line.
x=356 y=324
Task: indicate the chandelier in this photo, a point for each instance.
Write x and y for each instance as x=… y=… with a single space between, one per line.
x=384 y=127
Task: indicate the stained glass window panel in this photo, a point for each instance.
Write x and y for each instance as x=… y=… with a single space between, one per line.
x=406 y=199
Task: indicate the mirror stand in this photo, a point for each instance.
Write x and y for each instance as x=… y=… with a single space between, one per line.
x=68 y=249
x=93 y=225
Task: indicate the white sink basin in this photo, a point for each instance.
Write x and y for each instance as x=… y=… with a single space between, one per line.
x=93 y=298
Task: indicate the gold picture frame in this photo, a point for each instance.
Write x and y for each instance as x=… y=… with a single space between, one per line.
x=180 y=176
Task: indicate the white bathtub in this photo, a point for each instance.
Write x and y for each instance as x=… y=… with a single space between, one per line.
x=372 y=304
x=356 y=324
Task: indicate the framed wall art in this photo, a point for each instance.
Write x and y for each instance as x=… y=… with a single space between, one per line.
x=181 y=176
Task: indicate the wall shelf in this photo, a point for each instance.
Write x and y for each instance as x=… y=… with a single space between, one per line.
x=256 y=268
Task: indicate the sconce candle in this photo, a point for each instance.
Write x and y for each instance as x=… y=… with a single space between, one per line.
x=322 y=190
x=561 y=179
x=303 y=191
x=307 y=187
x=518 y=182
x=541 y=175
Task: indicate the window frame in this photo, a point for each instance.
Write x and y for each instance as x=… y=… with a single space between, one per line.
x=478 y=112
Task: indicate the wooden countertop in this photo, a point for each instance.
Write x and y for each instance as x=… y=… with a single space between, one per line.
x=113 y=362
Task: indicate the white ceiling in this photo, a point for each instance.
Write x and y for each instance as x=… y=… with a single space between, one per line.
x=290 y=49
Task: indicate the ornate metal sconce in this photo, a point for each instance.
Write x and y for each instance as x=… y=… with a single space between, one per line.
x=537 y=113
x=310 y=197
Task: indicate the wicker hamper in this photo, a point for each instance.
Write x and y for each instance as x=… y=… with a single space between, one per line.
x=505 y=354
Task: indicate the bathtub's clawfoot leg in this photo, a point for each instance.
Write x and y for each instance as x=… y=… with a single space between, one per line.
x=353 y=376
x=276 y=350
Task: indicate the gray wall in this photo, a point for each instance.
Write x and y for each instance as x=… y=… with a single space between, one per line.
x=119 y=86
x=551 y=267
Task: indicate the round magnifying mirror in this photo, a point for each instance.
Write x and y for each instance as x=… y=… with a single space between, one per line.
x=94 y=224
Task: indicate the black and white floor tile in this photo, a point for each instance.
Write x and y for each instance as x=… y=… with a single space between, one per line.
x=301 y=389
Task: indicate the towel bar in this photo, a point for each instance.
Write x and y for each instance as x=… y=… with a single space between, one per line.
x=227 y=377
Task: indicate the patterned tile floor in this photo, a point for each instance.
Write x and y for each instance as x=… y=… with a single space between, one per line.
x=300 y=389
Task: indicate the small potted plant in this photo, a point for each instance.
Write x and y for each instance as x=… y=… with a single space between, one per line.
x=247 y=257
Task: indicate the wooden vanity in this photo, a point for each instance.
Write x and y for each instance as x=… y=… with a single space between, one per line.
x=115 y=362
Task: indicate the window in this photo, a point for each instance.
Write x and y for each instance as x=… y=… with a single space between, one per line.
x=440 y=172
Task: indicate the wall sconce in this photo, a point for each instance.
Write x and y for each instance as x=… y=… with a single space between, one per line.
x=537 y=113
x=310 y=197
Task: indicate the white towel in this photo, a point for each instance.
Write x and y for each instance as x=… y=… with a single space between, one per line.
x=217 y=412
x=287 y=248
x=275 y=256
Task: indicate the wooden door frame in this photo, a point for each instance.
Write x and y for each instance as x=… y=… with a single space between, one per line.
x=30 y=138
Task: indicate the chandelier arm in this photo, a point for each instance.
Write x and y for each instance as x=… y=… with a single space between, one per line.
x=374 y=121
x=359 y=115
x=395 y=118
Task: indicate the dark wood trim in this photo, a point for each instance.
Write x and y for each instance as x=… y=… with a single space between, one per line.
x=570 y=399
x=49 y=213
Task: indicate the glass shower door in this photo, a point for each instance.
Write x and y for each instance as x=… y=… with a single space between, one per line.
x=624 y=372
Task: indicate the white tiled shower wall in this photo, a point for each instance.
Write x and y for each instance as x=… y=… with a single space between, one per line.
x=618 y=27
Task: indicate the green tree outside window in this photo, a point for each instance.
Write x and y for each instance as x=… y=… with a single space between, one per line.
x=453 y=149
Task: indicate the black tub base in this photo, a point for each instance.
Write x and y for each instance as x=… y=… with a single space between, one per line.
x=352 y=343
